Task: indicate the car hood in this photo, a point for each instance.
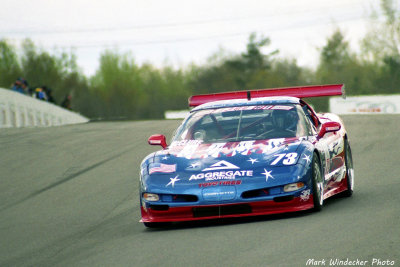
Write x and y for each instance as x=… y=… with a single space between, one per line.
x=195 y=162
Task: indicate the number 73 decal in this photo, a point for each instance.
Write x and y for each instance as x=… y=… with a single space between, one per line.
x=287 y=159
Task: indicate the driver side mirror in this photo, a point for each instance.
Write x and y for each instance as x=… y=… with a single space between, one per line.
x=158 y=139
x=329 y=127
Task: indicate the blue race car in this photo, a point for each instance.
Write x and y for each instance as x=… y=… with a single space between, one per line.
x=247 y=153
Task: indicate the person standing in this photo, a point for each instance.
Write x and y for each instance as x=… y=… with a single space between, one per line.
x=20 y=86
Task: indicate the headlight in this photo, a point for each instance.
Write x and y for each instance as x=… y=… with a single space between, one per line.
x=151 y=197
x=293 y=187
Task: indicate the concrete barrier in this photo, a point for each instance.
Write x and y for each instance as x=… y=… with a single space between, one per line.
x=18 y=110
x=376 y=104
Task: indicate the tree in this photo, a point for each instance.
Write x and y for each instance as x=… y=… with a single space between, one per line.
x=10 y=68
x=335 y=54
x=383 y=39
x=381 y=47
x=252 y=61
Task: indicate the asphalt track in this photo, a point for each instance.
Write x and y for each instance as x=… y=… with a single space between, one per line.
x=69 y=197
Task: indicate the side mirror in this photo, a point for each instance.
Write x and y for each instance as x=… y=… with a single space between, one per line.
x=158 y=139
x=329 y=127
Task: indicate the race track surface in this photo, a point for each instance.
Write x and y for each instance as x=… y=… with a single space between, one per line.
x=69 y=197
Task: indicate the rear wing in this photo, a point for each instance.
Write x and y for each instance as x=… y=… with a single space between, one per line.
x=300 y=92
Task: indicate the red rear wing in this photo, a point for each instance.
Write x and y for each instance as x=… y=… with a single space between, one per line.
x=300 y=92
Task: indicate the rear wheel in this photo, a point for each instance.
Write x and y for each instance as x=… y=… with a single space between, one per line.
x=349 y=169
x=317 y=183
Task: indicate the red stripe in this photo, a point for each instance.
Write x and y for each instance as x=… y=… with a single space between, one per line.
x=176 y=214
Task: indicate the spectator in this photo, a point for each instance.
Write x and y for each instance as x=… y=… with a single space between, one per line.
x=20 y=86
x=40 y=94
x=49 y=94
x=25 y=85
x=67 y=102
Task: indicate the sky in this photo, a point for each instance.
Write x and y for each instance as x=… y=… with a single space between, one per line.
x=180 y=32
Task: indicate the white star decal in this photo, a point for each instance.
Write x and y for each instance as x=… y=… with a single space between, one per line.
x=194 y=165
x=173 y=180
x=307 y=158
x=267 y=175
x=252 y=161
x=164 y=158
x=286 y=148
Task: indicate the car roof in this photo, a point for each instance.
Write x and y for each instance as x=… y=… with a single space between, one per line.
x=275 y=100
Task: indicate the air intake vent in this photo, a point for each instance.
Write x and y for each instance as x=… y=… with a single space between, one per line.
x=159 y=207
x=178 y=198
x=283 y=199
x=221 y=210
x=255 y=193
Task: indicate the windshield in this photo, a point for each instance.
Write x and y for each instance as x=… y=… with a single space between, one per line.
x=244 y=123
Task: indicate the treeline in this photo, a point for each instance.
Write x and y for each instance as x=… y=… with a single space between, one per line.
x=123 y=89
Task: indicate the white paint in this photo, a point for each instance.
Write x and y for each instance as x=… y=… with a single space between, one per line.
x=18 y=110
x=176 y=114
x=376 y=104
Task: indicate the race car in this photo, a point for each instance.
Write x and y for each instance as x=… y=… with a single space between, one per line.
x=247 y=153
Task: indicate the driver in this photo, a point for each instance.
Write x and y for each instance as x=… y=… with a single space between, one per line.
x=284 y=120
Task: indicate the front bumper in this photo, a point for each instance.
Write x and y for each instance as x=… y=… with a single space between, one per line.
x=242 y=209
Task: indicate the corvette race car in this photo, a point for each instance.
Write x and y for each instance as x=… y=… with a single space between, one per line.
x=247 y=153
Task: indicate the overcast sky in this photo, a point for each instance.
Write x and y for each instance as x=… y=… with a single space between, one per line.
x=178 y=32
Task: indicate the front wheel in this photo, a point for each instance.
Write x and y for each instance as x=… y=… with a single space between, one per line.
x=317 y=183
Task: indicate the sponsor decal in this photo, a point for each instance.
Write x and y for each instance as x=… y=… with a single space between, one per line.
x=195 y=149
x=287 y=159
x=265 y=107
x=221 y=165
x=163 y=168
x=236 y=182
x=336 y=148
x=217 y=172
x=186 y=142
x=219 y=193
x=188 y=151
x=214 y=150
x=282 y=107
x=258 y=107
x=243 y=148
x=305 y=195
x=221 y=175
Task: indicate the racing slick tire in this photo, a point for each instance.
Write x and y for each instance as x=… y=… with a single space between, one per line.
x=349 y=169
x=317 y=183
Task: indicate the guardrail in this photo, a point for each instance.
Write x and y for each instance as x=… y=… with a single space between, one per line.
x=18 y=110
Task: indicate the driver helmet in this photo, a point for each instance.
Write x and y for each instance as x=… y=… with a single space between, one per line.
x=284 y=119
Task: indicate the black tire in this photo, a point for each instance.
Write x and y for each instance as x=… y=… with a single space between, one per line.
x=349 y=169
x=317 y=183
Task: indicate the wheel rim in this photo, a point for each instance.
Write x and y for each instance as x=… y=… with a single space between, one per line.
x=319 y=184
